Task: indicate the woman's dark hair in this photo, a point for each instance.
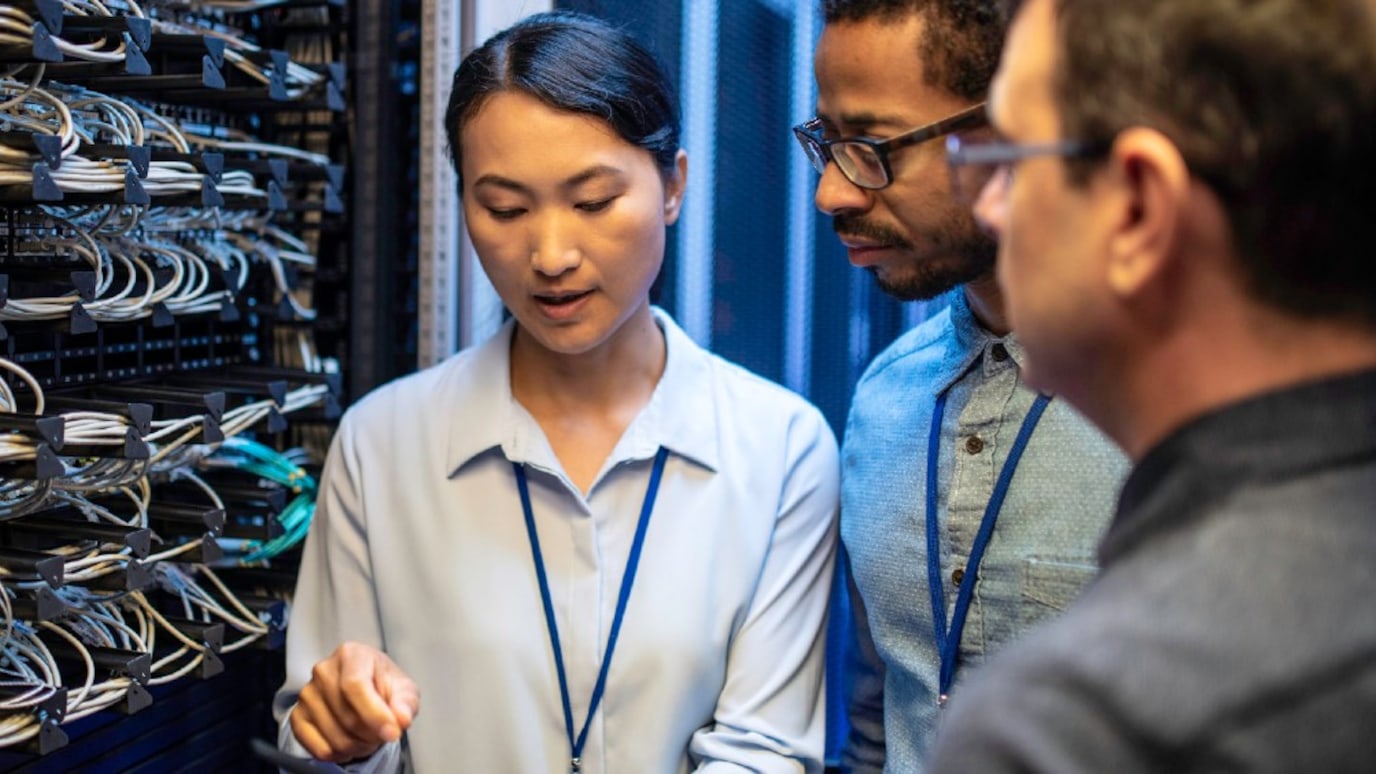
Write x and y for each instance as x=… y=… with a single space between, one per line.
x=574 y=62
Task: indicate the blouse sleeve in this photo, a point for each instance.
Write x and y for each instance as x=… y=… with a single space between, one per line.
x=770 y=715
x=334 y=600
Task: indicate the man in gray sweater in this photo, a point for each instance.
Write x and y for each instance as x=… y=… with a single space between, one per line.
x=1204 y=173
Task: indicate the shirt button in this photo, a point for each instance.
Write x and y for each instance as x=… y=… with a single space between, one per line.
x=974 y=444
x=958 y=575
x=999 y=352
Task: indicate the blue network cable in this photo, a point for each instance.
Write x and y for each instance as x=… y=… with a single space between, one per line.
x=267 y=463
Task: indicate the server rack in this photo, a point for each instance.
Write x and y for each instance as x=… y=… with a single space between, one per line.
x=195 y=198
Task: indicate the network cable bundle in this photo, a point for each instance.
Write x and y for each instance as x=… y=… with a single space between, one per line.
x=170 y=177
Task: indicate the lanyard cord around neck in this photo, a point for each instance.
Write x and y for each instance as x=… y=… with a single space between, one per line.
x=948 y=640
x=627 y=581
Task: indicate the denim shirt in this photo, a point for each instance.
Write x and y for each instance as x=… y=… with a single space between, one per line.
x=1043 y=548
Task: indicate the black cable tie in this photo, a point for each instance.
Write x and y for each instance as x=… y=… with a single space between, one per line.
x=215 y=49
x=277 y=201
x=44 y=49
x=80 y=320
x=45 y=188
x=214 y=164
x=49 y=146
x=138 y=156
x=211 y=553
x=136 y=698
x=50 y=13
x=210 y=431
x=162 y=316
x=333 y=204
x=211 y=77
x=135 y=63
x=211 y=665
x=140 y=30
x=210 y=195
x=334 y=98
x=279 y=170
x=47 y=465
x=44 y=605
x=134 y=192
x=85 y=282
x=228 y=311
x=50 y=738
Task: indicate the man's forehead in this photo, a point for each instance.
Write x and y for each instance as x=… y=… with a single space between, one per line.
x=1025 y=69
x=871 y=74
x=859 y=118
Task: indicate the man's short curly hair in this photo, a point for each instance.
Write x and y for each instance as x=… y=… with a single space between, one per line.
x=961 y=42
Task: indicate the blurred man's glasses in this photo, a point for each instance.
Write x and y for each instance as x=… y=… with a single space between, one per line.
x=975 y=162
x=865 y=162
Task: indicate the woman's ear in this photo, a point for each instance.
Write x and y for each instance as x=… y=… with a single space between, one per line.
x=674 y=186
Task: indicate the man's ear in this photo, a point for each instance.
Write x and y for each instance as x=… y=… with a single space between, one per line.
x=674 y=186
x=1156 y=184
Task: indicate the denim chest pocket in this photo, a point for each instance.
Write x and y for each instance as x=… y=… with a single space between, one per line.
x=1049 y=585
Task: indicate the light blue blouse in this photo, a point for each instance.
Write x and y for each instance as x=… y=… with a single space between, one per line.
x=419 y=548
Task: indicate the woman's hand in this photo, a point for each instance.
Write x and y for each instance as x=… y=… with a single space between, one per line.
x=357 y=700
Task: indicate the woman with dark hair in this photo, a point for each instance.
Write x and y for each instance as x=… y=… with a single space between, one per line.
x=591 y=544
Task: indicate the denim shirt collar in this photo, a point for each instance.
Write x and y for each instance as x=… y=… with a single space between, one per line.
x=971 y=340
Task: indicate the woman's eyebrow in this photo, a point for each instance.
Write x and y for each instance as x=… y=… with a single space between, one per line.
x=591 y=173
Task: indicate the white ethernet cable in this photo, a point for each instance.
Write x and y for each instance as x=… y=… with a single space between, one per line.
x=16 y=28
x=40 y=112
x=196 y=599
x=298 y=78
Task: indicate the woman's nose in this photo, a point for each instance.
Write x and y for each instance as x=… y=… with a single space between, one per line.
x=555 y=249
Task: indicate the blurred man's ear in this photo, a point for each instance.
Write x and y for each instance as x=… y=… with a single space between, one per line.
x=1157 y=195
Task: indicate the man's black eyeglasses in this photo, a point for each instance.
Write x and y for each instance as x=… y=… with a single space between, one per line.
x=865 y=162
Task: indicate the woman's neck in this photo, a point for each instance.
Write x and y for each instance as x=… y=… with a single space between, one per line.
x=584 y=402
x=624 y=368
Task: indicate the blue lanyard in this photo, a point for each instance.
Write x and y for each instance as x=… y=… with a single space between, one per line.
x=627 y=580
x=948 y=640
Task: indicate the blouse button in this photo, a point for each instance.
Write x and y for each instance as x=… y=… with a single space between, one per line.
x=974 y=444
x=958 y=575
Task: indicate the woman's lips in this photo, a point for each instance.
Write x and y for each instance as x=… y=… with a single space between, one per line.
x=561 y=306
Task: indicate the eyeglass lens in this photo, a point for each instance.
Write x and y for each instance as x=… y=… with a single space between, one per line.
x=813 y=149
x=861 y=164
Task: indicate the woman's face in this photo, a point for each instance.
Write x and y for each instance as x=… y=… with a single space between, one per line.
x=567 y=218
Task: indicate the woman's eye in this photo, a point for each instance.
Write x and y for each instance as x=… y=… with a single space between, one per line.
x=596 y=206
x=507 y=214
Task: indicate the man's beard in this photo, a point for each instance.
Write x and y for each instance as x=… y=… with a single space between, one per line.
x=961 y=253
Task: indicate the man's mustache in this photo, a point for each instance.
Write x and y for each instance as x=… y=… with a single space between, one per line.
x=852 y=225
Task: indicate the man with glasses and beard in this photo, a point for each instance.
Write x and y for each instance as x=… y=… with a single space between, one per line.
x=971 y=504
x=1182 y=192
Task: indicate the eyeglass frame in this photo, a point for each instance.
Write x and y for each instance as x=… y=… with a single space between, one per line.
x=809 y=136
x=1003 y=154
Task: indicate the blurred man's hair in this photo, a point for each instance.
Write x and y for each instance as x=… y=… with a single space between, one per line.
x=1272 y=104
